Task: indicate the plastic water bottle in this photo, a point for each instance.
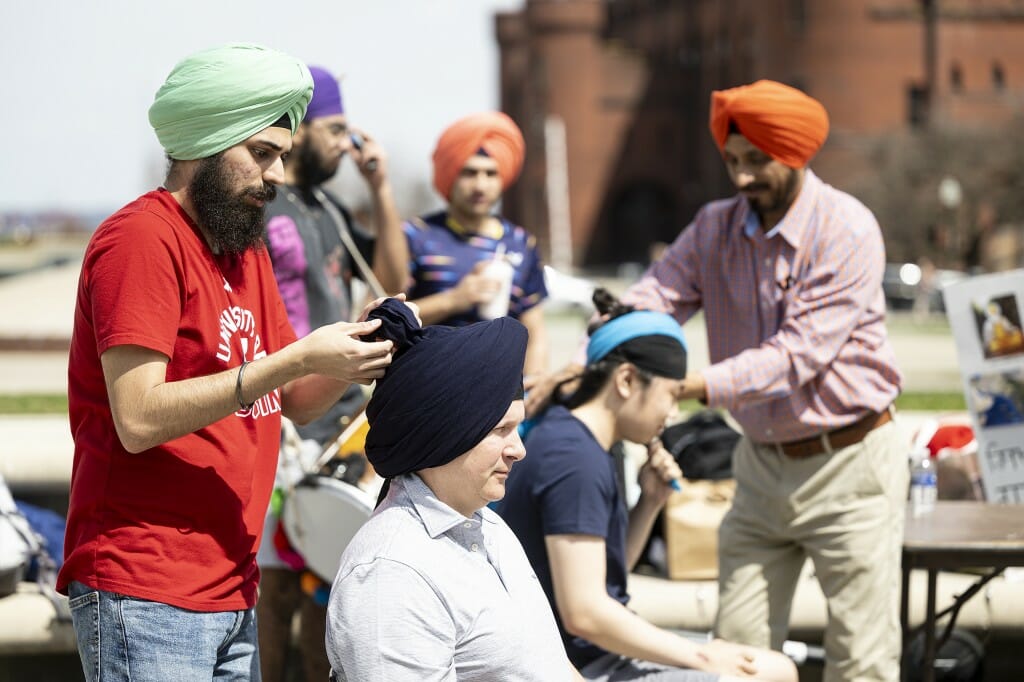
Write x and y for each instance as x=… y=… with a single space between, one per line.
x=924 y=484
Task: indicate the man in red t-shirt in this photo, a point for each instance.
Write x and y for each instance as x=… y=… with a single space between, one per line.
x=182 y=363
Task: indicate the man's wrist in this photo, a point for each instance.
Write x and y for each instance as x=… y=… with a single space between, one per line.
x=381 y=190
x=694 y=387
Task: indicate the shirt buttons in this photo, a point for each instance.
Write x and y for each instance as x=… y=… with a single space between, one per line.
x=467 y=524
x=474 y=547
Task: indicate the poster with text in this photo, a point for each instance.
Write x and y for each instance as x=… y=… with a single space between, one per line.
x=985 y=315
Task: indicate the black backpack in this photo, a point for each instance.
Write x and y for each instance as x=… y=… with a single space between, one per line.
x=702 y=445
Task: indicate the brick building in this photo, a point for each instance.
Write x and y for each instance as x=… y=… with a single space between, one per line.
x=612 y=96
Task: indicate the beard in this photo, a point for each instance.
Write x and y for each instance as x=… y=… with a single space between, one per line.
x=233 y=224
x=780 y=198
x=312 y=167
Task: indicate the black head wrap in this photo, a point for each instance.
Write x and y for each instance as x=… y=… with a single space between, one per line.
x=445 y=390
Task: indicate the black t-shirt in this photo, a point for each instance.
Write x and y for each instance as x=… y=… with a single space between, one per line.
x=567 y=485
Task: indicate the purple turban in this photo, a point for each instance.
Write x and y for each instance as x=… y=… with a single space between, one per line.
x=445 y=390
x=326 y=95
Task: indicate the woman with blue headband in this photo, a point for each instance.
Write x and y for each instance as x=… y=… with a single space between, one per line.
x=565 y=503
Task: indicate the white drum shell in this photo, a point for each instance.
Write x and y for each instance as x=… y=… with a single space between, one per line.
x=321 y=516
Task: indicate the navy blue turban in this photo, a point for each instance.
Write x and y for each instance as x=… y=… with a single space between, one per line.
x=446 y=388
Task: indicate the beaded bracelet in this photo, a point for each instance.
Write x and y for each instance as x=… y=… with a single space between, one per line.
x=238 y=387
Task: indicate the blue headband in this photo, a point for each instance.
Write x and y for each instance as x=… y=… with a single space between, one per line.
x=614 y=333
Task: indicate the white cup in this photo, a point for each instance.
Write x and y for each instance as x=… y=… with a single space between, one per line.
x=501 y=271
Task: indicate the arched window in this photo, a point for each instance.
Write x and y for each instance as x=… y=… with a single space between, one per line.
x=956 y=77
x=998 y=76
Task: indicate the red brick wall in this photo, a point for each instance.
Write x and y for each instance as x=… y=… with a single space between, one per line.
x=632 y=78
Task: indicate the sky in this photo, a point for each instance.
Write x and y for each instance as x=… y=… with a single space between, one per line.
x=79 y=76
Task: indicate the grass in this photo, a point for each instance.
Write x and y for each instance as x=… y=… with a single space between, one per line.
x=935 y=402
x=904 y=323
x=34 y=403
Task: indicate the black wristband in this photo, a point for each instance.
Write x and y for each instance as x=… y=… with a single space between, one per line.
x=238 y=387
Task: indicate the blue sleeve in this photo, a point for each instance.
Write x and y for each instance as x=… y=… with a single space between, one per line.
x=579 y=498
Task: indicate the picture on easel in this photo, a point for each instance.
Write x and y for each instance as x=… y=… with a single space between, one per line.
x=997 y=399
x=999 y=327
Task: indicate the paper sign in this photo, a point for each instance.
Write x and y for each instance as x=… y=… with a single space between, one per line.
x=985 y=316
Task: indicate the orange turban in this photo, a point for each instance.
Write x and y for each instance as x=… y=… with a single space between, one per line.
x=492 y=131
x=781 y=121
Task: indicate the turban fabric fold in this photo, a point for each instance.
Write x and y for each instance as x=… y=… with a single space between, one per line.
x=326 y=95
x=445 y=390
x=494 y=133
x=216 y=98
x=650 y=340
x=781 y=121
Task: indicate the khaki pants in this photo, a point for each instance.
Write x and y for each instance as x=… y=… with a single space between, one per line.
x=844 y=510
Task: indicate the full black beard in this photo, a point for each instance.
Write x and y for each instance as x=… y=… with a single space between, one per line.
x=311 y=166
x=232 y=224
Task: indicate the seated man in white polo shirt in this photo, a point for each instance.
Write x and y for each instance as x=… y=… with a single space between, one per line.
x=435 y=586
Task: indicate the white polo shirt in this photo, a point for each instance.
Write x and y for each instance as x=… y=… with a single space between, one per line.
x=424 y=593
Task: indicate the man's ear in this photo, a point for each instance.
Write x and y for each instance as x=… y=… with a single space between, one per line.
x=300 y=134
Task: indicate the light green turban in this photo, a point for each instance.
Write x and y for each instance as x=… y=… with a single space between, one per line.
x=216 y=98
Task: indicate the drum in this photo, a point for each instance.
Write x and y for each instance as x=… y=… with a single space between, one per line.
x=321 y=516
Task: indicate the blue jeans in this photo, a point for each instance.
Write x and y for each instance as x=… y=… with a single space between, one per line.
x=134 y=640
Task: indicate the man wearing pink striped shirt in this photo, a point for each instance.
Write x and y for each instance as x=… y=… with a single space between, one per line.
x=789 y=275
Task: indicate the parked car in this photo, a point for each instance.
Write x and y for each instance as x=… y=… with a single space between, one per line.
x=902 y=284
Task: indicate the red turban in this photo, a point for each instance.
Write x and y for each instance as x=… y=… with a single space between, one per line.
x=781 y=121
x=492 y=131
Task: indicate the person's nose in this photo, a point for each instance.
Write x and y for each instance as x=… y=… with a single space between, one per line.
x=515 y=450
x=743 y=178
x=480 y=181
x=274 y=174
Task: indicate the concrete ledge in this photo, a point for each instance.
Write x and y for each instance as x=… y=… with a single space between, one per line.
x=29 y=625
x=38 y=452
x=691 y=605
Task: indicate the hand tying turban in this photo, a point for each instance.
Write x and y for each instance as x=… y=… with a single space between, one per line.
x=216 y=98
x=494 y=133
x=781 y=121
x=445 y=390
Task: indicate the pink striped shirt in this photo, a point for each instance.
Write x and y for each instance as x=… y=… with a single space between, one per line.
x=795 y=317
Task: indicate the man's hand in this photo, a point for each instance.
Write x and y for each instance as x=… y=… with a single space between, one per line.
x=474 y=288
x=540 y=387
x=657 y=473
x=335 y=351
x=693 y=387
x=375 y=303
x=371 y=159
